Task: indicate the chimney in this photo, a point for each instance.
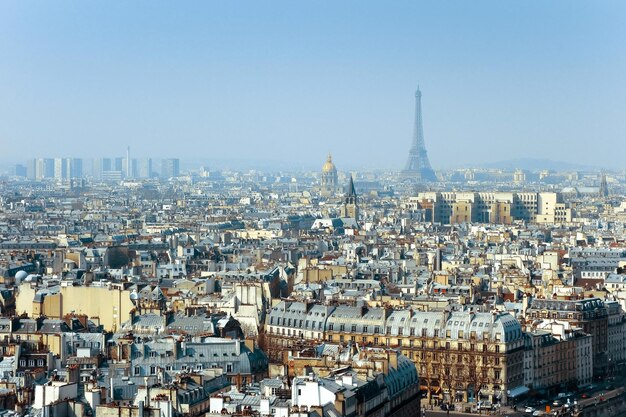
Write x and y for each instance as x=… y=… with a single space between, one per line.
x=249 y=344
x=393 y=359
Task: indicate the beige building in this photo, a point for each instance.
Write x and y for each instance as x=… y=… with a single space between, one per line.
x=500 y=207
x=109 y=307
x=459 y=355
x=557 y=356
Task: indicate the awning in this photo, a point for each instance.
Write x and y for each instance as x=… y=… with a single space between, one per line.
x=517 y=391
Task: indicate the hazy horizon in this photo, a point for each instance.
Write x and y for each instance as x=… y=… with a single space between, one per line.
x=283 y=81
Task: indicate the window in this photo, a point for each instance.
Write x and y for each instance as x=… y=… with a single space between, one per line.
x=354 y=328
x=31 y=363
x=137 y=371
x=153 y=370
x=229 y=367
x=22 y=362
x=40 y=362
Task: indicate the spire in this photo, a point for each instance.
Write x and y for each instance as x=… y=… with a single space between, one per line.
x=351 y=189
x=350 y=205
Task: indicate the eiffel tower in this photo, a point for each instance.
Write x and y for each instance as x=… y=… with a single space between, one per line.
x=418 y=167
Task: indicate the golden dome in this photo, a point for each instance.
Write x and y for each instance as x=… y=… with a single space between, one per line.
x=329 y=166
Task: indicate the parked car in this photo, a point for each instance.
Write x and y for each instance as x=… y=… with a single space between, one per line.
x=529 y=410
x=557 y=403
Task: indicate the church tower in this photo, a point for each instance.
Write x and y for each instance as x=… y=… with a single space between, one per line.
x=350 y=206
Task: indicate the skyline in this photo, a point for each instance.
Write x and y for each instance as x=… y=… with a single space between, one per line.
x=499 y=81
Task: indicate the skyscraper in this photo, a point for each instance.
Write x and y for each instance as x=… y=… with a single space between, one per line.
x=128 y=167
x=77 y=168
x=62 y=168
x=418 y=166
x=170 y=168
x=144 y=168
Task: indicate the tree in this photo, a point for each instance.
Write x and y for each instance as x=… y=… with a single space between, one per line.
x=477 y=371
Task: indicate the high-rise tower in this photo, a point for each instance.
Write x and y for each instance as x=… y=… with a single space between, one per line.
x=418 y=166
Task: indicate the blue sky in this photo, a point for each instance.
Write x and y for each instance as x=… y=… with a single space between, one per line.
x=294 y=80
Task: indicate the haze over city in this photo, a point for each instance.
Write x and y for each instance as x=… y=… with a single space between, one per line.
x=269 y=81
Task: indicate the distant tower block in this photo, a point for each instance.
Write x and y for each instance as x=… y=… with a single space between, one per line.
x=418 y=166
